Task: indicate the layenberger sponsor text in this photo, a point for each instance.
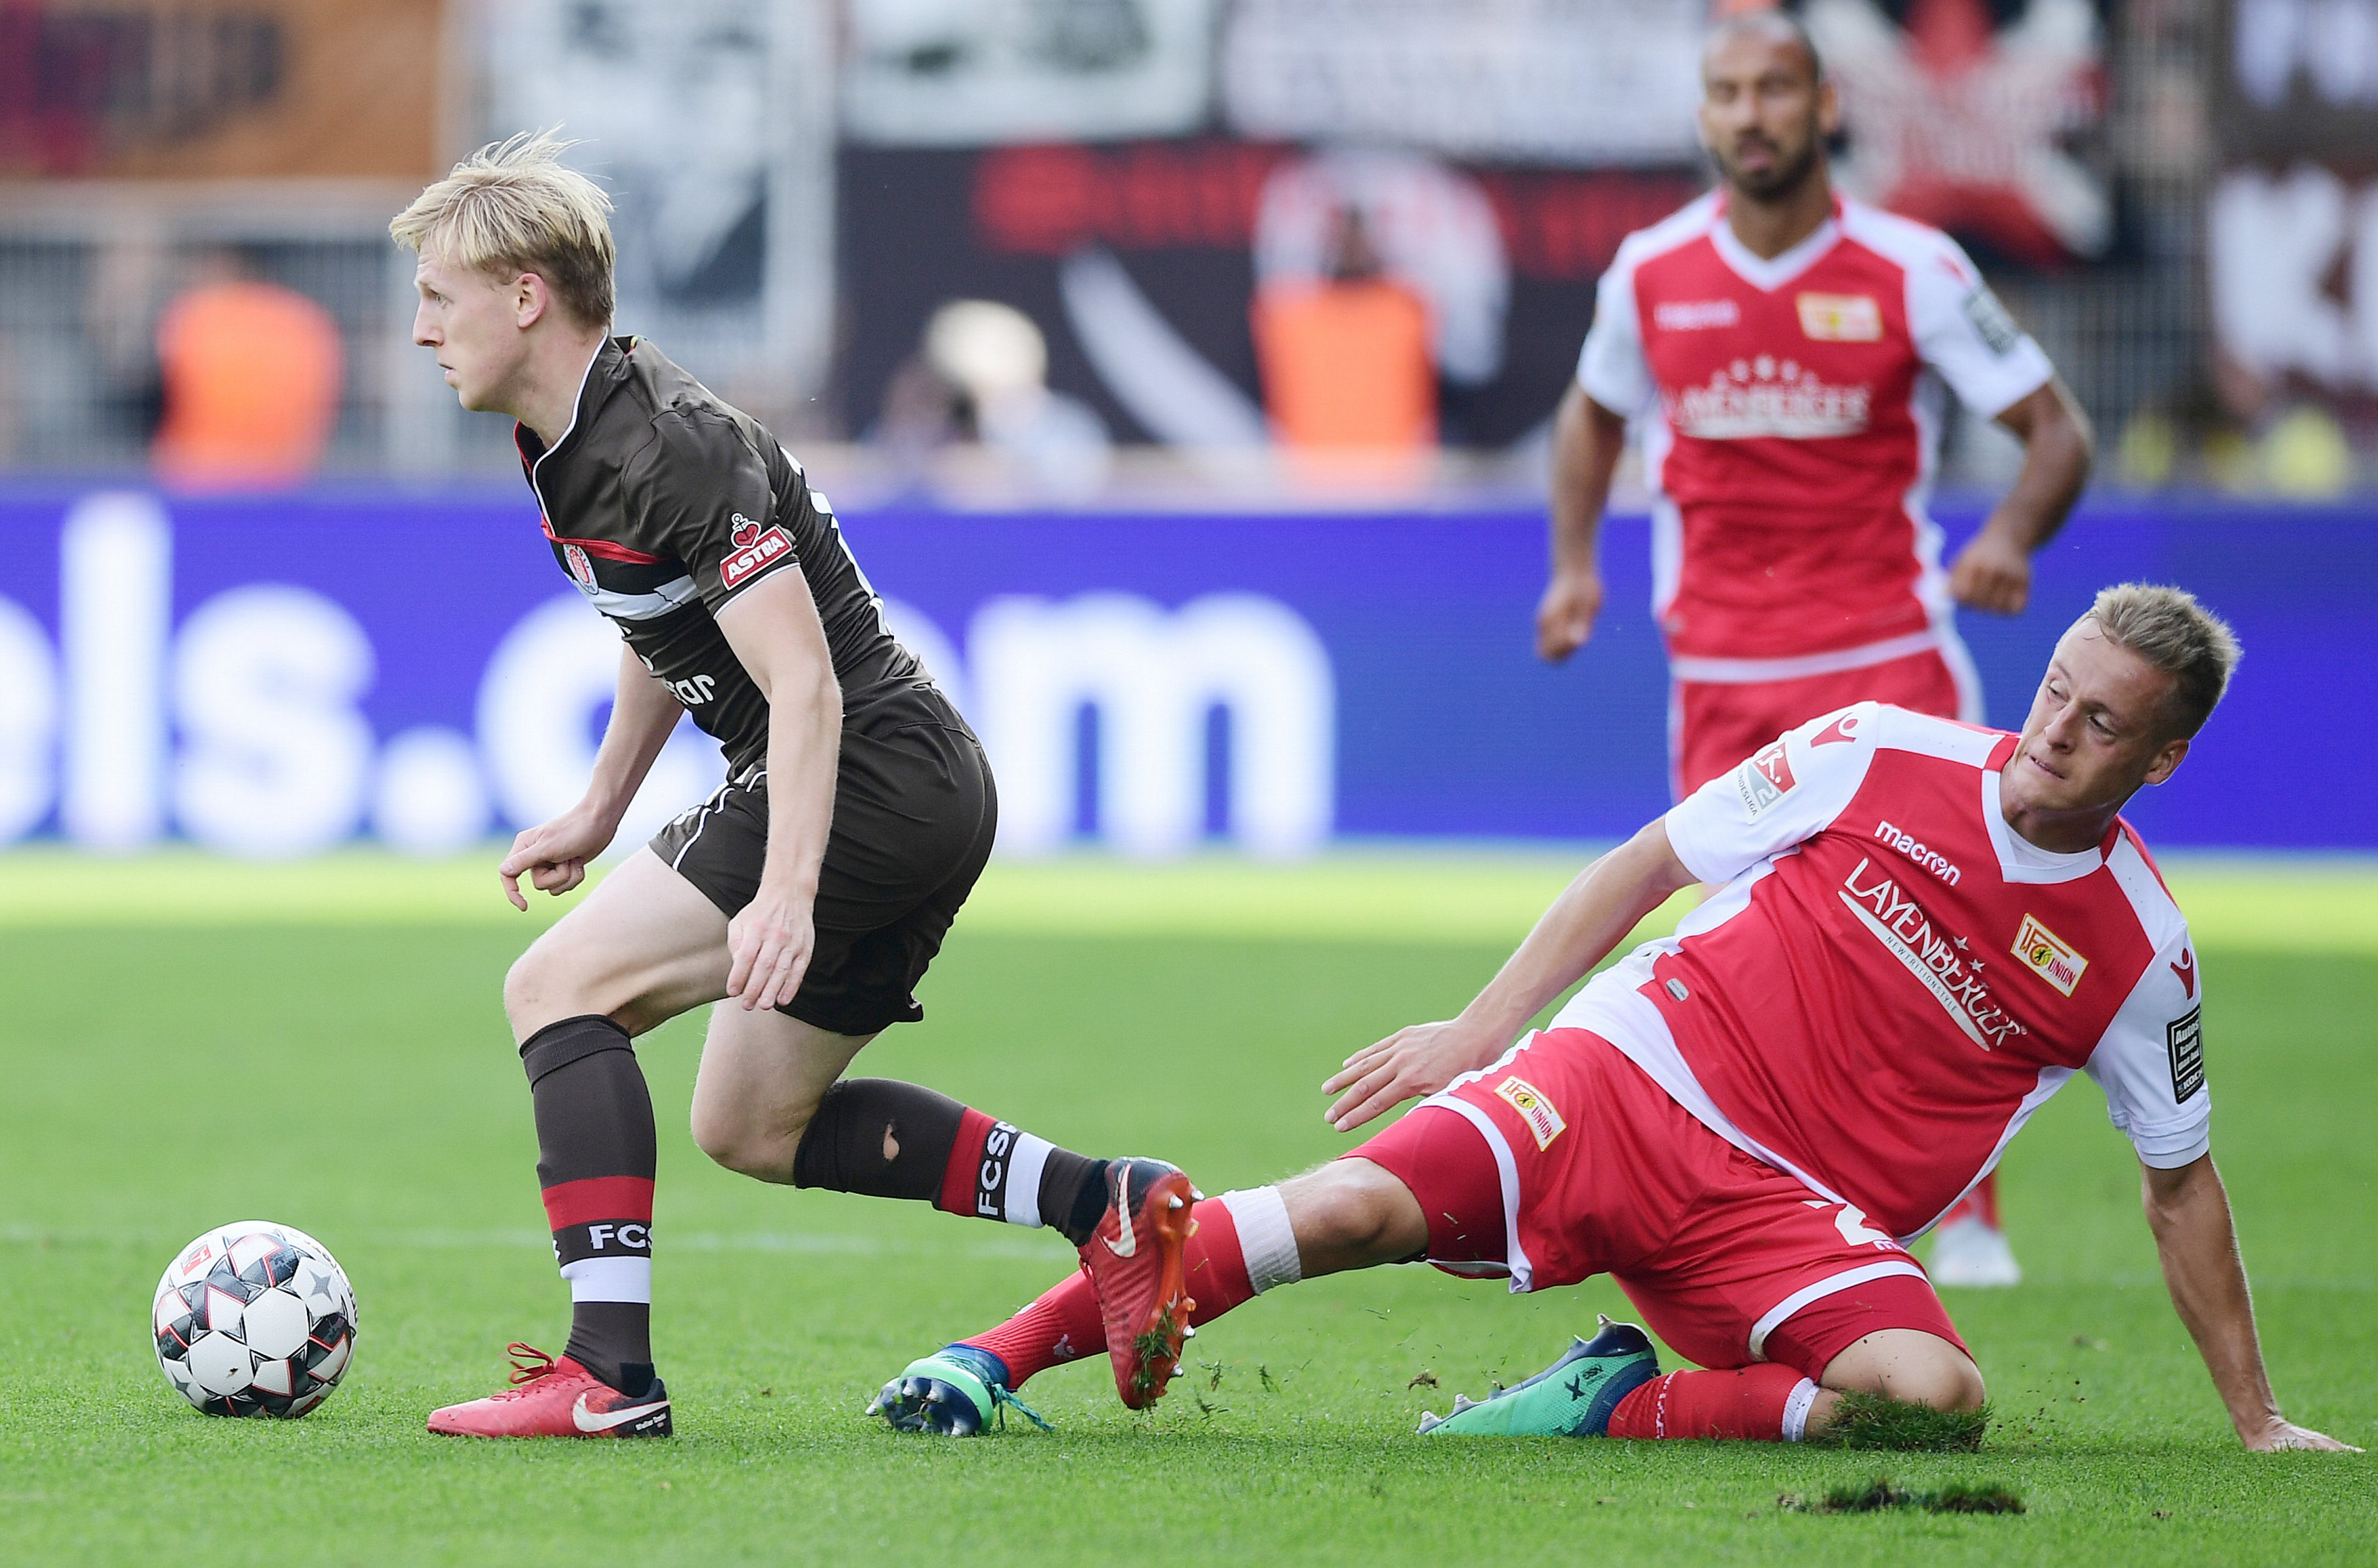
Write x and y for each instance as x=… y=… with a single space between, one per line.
x=1944 y=963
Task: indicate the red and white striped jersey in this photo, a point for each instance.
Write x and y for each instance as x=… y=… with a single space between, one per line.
x=1791 y=414
x=1888 y=980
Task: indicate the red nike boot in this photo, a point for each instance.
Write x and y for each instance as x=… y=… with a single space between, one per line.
x=1134 y=1258
x=554 y=1398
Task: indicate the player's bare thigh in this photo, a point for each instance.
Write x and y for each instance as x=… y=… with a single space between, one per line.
x=1904 y=1363
x=761 y=1076
x=644 y=946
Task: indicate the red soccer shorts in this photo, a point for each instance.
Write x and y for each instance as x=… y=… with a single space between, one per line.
x=1717 y=723
x=1565 y=1160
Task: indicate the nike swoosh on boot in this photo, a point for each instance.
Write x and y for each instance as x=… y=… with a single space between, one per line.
x=590 y=1421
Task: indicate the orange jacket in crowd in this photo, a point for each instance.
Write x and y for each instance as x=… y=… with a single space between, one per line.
x=1346 y=364
x=252 y=374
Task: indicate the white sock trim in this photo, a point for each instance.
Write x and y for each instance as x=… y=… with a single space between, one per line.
x=610 y=1279
x=1265 y=1238
x=1796 y=1410
x=1024 y=1168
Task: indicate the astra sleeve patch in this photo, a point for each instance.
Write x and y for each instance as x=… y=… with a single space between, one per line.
x=755 y=549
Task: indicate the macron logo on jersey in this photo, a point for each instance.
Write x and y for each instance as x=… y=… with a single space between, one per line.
x=1765 y=779
x=1931 y=859
x=1694 y=315
x=756 y=550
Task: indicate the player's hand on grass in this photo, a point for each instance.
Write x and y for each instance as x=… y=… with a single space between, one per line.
x=1992 y=573
x=2278 y=1434
x=1565 y=616
x=553 y=856
x=1419 y=1060
x=770 y=942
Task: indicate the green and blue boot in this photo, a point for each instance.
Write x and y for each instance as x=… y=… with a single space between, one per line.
x=1573 y=1397
x=958 y=1391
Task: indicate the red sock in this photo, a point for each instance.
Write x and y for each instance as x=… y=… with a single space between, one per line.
x=1752 y=1403
x=1214 y=1265
x=959 y=1175
x=1065 y=1325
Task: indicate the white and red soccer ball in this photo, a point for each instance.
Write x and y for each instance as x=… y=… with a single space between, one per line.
x=255 y=1319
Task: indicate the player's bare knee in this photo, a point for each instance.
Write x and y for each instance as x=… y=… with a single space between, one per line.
x=525 y=987
x=1909 y=1364
x=549 y=983
x=1351 y=1213
x=735 y=1139
x=1945 y=1381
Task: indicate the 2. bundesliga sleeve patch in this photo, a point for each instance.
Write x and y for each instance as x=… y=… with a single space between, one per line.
x=1542 y=1121
x=756 y=550
x=2185 y=1037
x=1991 y=323
x=1765 y=779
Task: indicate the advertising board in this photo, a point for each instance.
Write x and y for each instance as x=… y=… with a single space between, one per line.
x=277 y=676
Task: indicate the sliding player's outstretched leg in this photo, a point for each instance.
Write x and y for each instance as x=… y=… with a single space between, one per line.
x=1349 y=1214
x=1132 y=1298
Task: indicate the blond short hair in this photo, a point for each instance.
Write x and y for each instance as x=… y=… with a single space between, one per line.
x=2175 y=634
x=514 y=207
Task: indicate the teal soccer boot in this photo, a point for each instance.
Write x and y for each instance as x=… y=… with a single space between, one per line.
x=957 y=1392
x=1573 y=1397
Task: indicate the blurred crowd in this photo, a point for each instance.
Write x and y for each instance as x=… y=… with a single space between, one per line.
x=1045 y=247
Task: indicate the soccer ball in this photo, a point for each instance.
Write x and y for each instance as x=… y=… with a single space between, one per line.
x=255 y=1319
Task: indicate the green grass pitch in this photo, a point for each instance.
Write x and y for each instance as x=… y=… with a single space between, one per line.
x=187 y=1044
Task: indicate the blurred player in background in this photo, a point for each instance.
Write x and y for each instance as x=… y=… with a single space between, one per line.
x=1784 y=350
x=806 y=897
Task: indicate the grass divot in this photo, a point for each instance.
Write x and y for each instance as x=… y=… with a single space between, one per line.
x=1882 y=1494
x=1879 y=1421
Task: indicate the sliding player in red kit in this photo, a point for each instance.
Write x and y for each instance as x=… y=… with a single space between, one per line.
x=1786 y=353
x=1922 y=929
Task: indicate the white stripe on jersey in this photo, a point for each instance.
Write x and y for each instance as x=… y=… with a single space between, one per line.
x=1848 y=1279
x=1751 y=672
x=642 y=606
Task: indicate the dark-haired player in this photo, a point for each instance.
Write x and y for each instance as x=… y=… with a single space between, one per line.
x=806 y=896
x=1787 y=352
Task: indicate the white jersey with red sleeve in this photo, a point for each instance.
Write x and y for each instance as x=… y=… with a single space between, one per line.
x=1888 y=980
x=1791 y=412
